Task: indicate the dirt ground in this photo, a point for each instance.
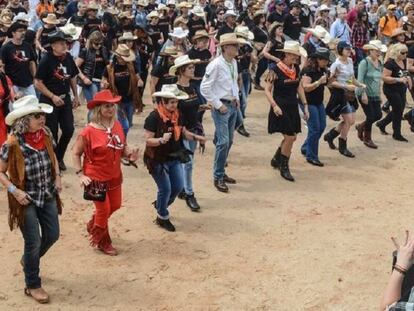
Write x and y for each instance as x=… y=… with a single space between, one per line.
x=321 y=243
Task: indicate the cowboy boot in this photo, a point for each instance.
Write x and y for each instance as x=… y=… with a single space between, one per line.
x=330 y=136
x=90 y=223
x=105 y=245
x=343 y=148
x=97 y=235
x=360 y=129
x=275 y=162
x=368 y=140
x=284 y=168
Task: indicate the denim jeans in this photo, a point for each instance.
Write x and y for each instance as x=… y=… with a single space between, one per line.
x=125 y=114
x=244 y=93
x=90 y=90
x=223 y=137
x=372 y=111
x=261 y=68
x=188 y=167
x=30 y=90
x=169 y=179
x=359 y=56
x=316 y=127
x=37 y=242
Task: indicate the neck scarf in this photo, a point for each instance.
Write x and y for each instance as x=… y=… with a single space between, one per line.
x=170 y=116
x=35 y=140
x=289 y=72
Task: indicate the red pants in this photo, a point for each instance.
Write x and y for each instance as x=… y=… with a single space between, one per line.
x=104 y=210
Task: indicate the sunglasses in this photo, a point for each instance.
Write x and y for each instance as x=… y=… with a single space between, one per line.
x=97 y=43
x=403 y=53
x=38 y=115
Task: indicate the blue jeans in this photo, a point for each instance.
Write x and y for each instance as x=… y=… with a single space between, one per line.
x=316 y=127
x=261 y=68
x=169 y=179
x=223 y=137
x=188 y=167
x=244 y=93
x=125 y=114
x=37 y=242
x=90 y=90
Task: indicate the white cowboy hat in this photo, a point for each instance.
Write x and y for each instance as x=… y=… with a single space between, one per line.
x=259 y=12
x=92 y=6
x=375 y=45
x=293 y=47
x=324 y=7
x=229 y=13
x=153 y=14
x=24 y=106
x=127 y=36
x=179 y=32
x=231 y=38
x=142 y=3
x=51 y=19
x=171 y=2
x=243 y=31
x=170 y=91
x=198 y=10
x=125 y=53
x=184 y=4
x=72 y=30
x=321 y=33
x=308 y=2
x=22 y=17
x=181 y=61
x=161 y=7
x=229 y=5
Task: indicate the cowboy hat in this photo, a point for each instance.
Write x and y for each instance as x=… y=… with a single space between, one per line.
x=293 y=47
x=322 y=53
x=321 y=33
x=244 y=32
x=230 y=38
x=171 y=2
x=184 y=4
x=179 y=33
x=229 y=5
x=126 y=14
x=103 y=97
x=375 y=45
x=324 y=7
x=170 y=91
x=229 y=13
x=169 y=51
x=142 y=3
x=200 y=34
x=5 y=20
x=391 y=7
x=274 y=25
x=308 y=2
x=198 y=10
x=92 y=6
x=55 y=36
x=153 y=14
x=14 y=27
x=24 y=106
x=125 y=53
x=259 y=12
x=23 y=17
x=127 y=36
x=181 y=61
x=51 y=19
x=397 y=31
x=72 y=30
x=161 y=7
x=127 y=2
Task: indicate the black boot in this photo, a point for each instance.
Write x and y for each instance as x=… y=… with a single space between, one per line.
x=182 y=195
x=192 y=203
x=381 y=128
x=242 y=131
x=330 y=137
x=62 y=165
x=284 y=168
x=343 y=149
x=165 y=223
x=275 y=162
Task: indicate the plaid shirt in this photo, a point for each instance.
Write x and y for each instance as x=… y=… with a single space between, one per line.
x=38 y=172
x=359 y=36
x=403 y=305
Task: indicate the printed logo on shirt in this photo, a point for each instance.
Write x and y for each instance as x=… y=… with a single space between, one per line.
x=122 y=74
x=20 y=56
x=60 y=73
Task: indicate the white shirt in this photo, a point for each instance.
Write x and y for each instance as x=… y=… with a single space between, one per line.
x=219 y=82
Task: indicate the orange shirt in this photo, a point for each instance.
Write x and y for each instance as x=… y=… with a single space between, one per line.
x=44 y=8
x=392 y=23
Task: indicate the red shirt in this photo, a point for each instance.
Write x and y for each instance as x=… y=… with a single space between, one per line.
x=103 y=152
x=3 y=128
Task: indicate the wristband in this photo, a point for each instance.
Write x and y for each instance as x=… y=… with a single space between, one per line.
x=11 y=189
x=78 y=172
x=400 y=270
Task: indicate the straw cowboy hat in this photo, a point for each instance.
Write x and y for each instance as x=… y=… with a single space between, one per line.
x=125 y=53
x=5 y=20
x=142 y=3
x=200 y=34
x=162 y=7
x=169 y=51
x=184 y=4
x=170 y=91
x=179 y=33
x=103 y=97
x=375 y=45
x=244 y=32
x=231 y=38
x=127 y=2
x=293 y=47
x=127 y=36
x=126 y=14
x=229 y=13
x=24 y=106
x=51 y=19
x=181 y=61
x=398 y=31
x=92 y=6
x=198 y=10
x=153 y=14
x=72 y=30
x=274 y=25
x=324 y=7
x=321 y=33
x=259 y=12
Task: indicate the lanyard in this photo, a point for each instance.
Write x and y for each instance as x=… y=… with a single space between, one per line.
x=231 y=68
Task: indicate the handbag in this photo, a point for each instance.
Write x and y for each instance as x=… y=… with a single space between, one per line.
x=96 y=191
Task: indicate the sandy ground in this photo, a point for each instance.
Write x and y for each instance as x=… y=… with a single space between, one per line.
x=321 y=243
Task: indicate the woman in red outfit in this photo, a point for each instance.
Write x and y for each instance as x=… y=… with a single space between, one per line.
x=6 y=94
x=97 y=157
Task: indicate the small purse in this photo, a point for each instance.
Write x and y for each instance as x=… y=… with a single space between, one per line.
x=96 y=191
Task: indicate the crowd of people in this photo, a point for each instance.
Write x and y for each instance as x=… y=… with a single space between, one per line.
x=196 y=57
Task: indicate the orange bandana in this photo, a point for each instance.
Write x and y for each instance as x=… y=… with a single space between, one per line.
x=170 y=116
x=289 y=72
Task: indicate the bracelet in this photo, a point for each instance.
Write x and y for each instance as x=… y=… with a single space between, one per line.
x=400 y=270
x=11 y=189
x=78 y=172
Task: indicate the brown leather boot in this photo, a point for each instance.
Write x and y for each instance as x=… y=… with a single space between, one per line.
x=38 y=294
x=360 y=128
x=368 y=140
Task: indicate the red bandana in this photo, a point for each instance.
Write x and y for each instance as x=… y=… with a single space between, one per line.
x=35 y=140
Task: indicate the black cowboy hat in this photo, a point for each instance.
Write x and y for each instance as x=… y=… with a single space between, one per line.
x=322 y=53
x=14 y=27
x=56 y=35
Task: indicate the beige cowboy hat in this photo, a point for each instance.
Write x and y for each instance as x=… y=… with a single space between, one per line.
x=244 y=32
x=200 y=34
x=181 y=61
x=170 y=91
x=324 y=7
x=198 y=10
x=153 y=14
x=125 y=53
x=72 y=30
x=24 y=106
x=142 y=3
x=259 y=12
x=92 y=6
x=127 y=2
x=274 y=25
x=398 y=31
x=126 y=14
x=5 y=20
x=293 y=47
x=321 y=33
x=162 y=7
x=375 y=45
x=184 y=4
x=51 y=19
x=231 y=38
x=169 y=51
x=127 y=36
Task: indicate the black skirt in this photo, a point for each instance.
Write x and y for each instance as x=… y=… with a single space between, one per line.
x=289 y=122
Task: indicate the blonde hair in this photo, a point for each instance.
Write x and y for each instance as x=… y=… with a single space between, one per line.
x=94 y=37
x=96 y=115
x=395 y=50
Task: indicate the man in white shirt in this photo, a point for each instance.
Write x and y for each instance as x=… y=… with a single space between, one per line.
x=220 y=88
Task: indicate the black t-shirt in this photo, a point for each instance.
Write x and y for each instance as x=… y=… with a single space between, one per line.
x=164 y=26
x=194 y=25
x=204 y=56
x=78 y=21
x=222 y=30
x=411 y=52
x=276 y=17
x=99 y=63
x=44 y=36
x=189 y=107
x=244 y=58
x=56 y=73
x=145 y=50
x=17 y=10
x=314 y=97
x=90 y=26
x=122 y=80
x=3 y=37
x=16 y=60
x=161 y=72
x=260 y=34
x=155 y=35
x=396 y=72
x=292 y=26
